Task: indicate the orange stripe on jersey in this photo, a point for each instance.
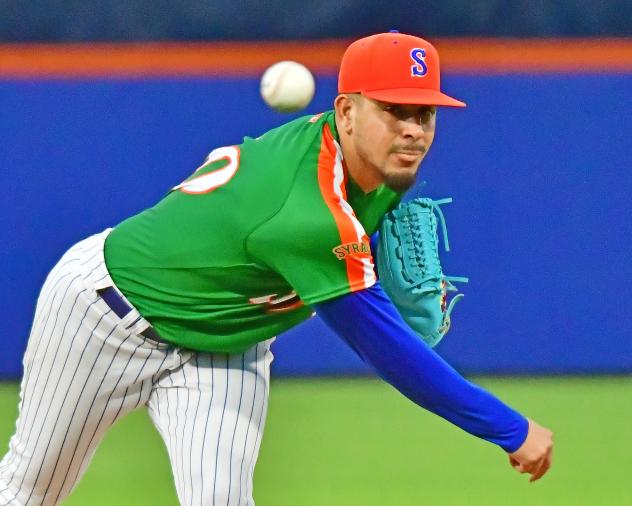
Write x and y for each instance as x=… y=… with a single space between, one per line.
x=334 y=191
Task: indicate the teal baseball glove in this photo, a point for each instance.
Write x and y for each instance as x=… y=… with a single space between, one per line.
x=409 y=267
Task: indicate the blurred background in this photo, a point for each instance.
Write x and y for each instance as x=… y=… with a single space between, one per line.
x=104 y=105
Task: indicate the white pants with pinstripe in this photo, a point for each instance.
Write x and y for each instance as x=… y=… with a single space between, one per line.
x=85 y=368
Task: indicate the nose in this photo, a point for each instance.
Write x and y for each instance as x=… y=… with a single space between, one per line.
x=412 y=128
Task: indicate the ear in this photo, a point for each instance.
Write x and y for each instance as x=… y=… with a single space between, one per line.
x=345 y=108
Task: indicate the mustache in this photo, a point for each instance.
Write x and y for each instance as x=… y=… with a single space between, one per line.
x=408 y=148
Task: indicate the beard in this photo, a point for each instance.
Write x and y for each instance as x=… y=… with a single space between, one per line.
x=400 y=181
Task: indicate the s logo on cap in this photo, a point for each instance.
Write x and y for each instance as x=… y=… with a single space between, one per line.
x=419 y=69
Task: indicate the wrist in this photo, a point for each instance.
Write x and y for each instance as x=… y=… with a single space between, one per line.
x=520 y=436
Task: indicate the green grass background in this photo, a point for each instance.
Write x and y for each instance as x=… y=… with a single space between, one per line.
x=347 y=442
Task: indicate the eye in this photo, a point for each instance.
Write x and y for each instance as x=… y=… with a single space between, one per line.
x=393 y=109
x=422 y=114
x=426 y=114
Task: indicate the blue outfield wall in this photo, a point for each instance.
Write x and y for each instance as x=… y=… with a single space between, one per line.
x=539 y=167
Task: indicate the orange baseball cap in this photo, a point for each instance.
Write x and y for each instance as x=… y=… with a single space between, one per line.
x=394 y=67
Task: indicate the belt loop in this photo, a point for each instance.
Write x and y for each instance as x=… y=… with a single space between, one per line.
x=131 y=319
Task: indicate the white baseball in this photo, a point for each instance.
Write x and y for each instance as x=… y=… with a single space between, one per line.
x=287 y=86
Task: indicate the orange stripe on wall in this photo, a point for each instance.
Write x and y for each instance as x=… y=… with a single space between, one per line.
x=168 y=59
x=476 y=56
x=536 y=55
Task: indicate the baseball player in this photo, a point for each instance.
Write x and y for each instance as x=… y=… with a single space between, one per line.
x=176 y=307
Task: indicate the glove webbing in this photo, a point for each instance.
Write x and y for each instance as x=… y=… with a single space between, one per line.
x=416 y=228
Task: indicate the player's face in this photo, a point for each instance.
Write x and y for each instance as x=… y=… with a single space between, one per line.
x=391 y=140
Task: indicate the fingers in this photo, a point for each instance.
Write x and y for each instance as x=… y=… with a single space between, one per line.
x=540 y=470
x=516 y=464
x=536 y=469
x=543 y=467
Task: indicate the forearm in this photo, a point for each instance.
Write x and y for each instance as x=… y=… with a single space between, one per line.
x=370 y=324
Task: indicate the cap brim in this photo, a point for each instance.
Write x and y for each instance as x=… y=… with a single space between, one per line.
x=416 y=96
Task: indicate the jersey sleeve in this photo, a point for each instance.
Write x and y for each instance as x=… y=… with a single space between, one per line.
x=315 y=241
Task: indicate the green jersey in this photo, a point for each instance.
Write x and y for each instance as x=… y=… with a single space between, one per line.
x=238 y=252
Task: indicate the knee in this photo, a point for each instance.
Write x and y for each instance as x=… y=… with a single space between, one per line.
x=10 y=496
x=225 y=495
x=14 y=493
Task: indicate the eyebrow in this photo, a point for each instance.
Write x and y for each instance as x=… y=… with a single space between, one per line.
x=390 y=104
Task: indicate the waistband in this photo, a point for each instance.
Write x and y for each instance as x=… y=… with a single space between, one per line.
x=99 y=278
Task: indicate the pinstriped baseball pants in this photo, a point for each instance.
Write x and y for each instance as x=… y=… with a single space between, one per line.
x=84 y=368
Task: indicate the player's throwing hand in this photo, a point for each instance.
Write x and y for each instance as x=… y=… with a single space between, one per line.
x=536 y=453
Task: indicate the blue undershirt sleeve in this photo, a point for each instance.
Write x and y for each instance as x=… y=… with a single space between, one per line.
x=374 y=242
x=369 y=323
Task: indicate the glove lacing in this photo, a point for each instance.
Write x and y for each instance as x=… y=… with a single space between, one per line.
x=421 y=245
x=422 y=254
